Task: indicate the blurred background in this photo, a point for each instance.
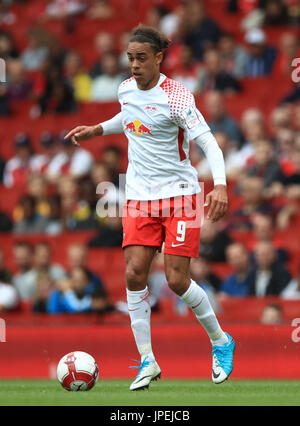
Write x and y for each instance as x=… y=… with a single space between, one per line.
x=62 y=272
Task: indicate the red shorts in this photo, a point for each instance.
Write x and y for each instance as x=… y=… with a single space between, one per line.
x=174 y=221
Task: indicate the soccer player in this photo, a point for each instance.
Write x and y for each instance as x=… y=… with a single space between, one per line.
x=159 y=117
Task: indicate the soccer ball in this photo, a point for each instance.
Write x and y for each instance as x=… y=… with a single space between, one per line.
x=77 y=371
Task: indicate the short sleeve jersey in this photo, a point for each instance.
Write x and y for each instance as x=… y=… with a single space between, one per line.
x=159 y=123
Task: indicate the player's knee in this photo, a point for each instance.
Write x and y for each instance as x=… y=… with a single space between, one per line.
x=176 y=283
x=173 y=284
x=135 y=278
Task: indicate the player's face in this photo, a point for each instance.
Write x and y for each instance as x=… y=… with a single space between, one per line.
x=144 y=64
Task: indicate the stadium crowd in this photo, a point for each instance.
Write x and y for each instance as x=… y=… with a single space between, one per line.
x=261 y=151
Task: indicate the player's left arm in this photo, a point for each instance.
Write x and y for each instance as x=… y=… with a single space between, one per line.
x=217 y=199
x=194 y=123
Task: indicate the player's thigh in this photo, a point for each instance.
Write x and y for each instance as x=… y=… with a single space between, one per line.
x=177 y=270
x=139 y=227
x=138 y=260
x=182 y=227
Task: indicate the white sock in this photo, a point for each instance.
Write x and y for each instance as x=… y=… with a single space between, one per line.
x=140 y=311
x=196 y=298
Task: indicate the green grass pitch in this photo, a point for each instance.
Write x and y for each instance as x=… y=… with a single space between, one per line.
x=162 y=393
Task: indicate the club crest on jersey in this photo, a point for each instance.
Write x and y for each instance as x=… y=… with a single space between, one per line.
x=151 y=109
x=138 y=128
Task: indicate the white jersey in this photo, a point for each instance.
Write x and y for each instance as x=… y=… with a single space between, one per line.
x=159 y=123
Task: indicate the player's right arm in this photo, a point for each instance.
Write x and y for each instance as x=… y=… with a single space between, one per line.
x=84 y=133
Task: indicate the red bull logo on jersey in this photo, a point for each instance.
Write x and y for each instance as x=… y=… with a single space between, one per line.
x=138 y=128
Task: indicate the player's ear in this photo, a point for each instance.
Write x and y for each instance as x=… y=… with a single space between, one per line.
x=159 y=58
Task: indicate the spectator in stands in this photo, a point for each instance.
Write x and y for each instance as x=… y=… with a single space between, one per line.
x=213 y=242
x=289 y=49
x=75 y=294
x=37 y=188
x=18 y=85
x=62 y=9
x=263 y=164
x=104 y=43
x=296 y=122
x=42 y=263
x=107 y=192
x=100 y=9
x=6 y=224
x=233 y=56
x=292 y=290
x=275 y=13
x=51 y=90
x=268 y=13
x=110 y=233
x=76 y=212
x=99 y=303
x=253 y=129
x=101 y=172
x=292 y=182
x=23 y=257
x=253 y=202
x=272 y=314
x=201 y=272
x=5 y=275
x=187 y=70
x=7 y=16
x=280 y=119
x=289 y=185
x=112 y=157
x=105 y=87
x=77 y=257
x=237 y=284
x=213 y=77
x=4 y=101
x=44 y=285
x=170 y=21
x=55 y=95
x=155 y=15
x=123 y=58
x=31 y=222
x=55 y=221
x=77 y=77
x=261 y=56
x=269 y=277
x=49 y=149
x=264 y=230
x=219 y=120
x=293 y=95
x=36 y=51
x=2 y=166
x=87 y=192
x=8 y=297
x=18 y=168
x=8 y=49
x=196 y=29
x=69 y=161
x=284 y=145
x=56 y=51
x=251 y=117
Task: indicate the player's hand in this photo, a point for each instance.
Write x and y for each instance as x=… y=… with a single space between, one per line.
x=84 y=133
x=217 y=200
